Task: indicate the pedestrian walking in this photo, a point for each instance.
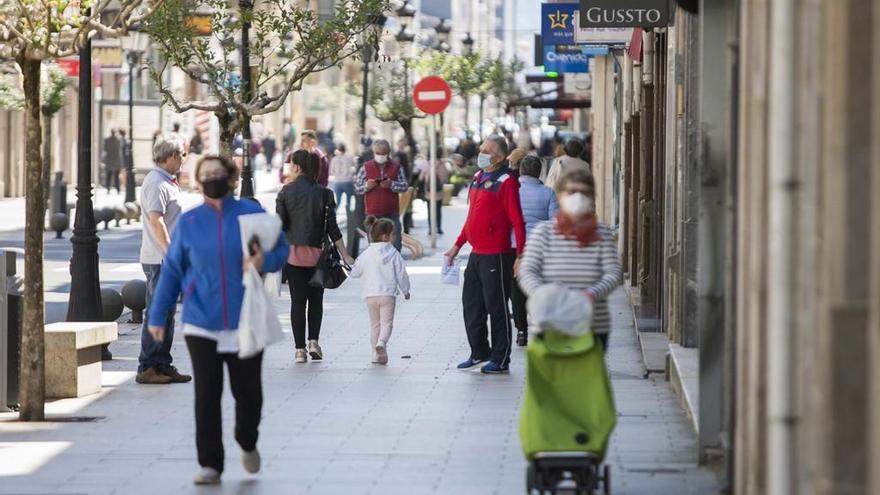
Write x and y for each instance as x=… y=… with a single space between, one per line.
x=571 y=158
x=384 y=273
x=538 y=205
x=380 y=181
x=112 y=160
x=442 y=170
x=309 y=142
x=342 y=172
x=574 y=250
x=401 y=156
x=196 y=144
x=270 y=146
x=494 y=214
x=160 y=210
x=205 y=261
x=308 y=217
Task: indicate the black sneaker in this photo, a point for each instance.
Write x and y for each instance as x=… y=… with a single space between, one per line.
x=522 y=339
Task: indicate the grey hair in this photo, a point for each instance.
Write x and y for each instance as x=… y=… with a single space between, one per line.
x=500 y=143
x=382 y=145
x=531 y=165
x=166 y=148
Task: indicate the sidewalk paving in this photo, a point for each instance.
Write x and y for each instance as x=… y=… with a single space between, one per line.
x=344 y=426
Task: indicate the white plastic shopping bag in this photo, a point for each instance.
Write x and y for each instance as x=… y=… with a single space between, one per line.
x=258 y=326
x=557 y=308
x=272 y=281
x=450 y=273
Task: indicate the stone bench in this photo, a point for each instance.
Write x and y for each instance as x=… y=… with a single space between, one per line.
x=73 y=357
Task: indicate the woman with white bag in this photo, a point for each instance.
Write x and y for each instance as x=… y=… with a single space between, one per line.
x=206 y=261
x=574 y=251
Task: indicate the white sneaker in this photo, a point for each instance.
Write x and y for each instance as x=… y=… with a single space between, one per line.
x=301 y=356
x=375 y=358
x=207 y=476
x=251 y=461
x=315 y=351
x=381 y=353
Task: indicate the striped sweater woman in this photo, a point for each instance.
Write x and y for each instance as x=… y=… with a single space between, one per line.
x=574 y=251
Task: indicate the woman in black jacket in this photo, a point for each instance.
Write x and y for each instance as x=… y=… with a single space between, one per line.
x=308 y=215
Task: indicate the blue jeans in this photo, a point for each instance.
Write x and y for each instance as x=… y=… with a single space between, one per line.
x=153 y=354
x=346 y=188
x=398 y=233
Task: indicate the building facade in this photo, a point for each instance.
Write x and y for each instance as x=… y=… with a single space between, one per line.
x=747 y=189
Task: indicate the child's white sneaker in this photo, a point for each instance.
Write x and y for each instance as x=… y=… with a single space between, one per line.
x=381 y=353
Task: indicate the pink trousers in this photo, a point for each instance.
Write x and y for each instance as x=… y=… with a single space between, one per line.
x=381 y=318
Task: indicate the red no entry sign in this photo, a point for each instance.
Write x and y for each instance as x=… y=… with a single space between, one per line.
x=432 y=95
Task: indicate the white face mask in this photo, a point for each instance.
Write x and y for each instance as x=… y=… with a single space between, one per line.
x=576 y=205
x=381 y=158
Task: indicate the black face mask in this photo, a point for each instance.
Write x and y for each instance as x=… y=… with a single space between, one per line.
x=216 y=188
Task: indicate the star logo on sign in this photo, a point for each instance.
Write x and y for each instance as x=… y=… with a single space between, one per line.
x=558 y=20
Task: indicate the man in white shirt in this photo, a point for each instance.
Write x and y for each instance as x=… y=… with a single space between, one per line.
x=159 y=212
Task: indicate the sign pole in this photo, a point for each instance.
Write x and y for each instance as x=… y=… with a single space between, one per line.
x=433 y=182
x=432 y=95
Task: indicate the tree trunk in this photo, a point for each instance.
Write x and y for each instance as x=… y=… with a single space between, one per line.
x=227 y=133
x=33 y=385
x=482 y=104
x=467 y=111
x=406 y=125
x=47 y=156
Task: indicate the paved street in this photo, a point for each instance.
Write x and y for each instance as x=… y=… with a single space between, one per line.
x=345 y=426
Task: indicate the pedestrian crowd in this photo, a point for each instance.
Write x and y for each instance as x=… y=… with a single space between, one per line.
x=523 y=235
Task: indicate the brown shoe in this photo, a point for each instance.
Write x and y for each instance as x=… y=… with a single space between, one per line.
x=176 y=377
x=152 y=377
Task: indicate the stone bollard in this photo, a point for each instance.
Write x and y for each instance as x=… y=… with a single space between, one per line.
x=118 y=213
x=134 y=296
x=59 y=222
x=111 y=303
x=104 y=215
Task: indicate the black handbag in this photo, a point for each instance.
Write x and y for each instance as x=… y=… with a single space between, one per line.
x=330 y=270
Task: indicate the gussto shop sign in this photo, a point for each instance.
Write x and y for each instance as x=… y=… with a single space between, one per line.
x=624 y=13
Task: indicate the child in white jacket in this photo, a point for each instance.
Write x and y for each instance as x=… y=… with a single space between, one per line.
x=384 y=272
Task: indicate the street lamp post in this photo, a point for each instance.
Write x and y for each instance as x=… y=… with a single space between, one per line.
x=84 y=303
x=247 y=176
x=134 y=46
x=406 y=13
x=405 y=39
x=443 y=29
x=467 y=48
x=367 y=55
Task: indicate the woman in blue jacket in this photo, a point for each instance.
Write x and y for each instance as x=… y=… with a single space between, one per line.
x=538 y=205
x=205 y=261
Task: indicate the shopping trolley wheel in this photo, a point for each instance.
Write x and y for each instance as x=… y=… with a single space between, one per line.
x=530 y=478
x=606 y=479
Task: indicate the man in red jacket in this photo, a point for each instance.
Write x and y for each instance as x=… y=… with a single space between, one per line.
x=493 y=214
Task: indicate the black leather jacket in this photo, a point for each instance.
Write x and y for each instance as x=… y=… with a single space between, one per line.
x=300 y=204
